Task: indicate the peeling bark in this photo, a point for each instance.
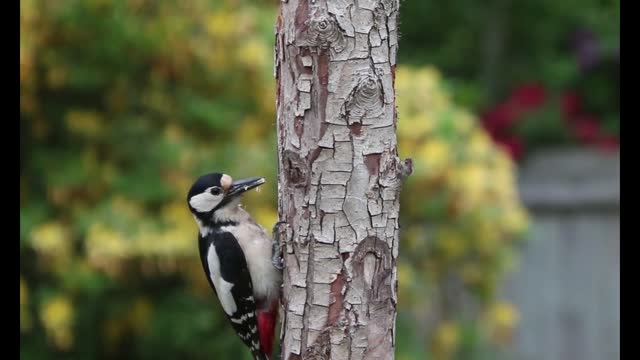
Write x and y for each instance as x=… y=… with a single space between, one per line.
x=340 y=177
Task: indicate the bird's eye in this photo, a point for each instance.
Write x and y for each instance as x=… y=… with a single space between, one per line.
x=215 y=191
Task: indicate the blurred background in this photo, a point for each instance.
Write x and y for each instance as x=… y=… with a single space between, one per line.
x=510 y=223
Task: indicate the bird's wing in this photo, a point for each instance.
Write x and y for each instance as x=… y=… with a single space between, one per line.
x=228 y=274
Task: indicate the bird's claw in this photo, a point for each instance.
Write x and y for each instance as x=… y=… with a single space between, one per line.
x=276 y=258
x=276 y=248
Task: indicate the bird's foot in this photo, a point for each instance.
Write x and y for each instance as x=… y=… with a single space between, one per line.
x=279 y=234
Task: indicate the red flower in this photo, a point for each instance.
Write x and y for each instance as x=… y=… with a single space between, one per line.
x=608 y=143
x=498 y=118
x=586 y=128
x=570 y=104
x=514 y=146
x=528 y=96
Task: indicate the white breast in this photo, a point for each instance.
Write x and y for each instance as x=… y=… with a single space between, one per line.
x=256 y=245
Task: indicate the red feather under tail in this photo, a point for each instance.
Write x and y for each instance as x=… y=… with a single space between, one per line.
x=267 y=327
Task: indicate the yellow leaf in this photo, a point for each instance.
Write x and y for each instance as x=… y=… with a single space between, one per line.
x=265 y=216
x=177 y=212
x=84 y=122
x=451 y=243
x=221 y=24
x=471 y=181
x=415 y=127
x=479 y=144
x=434 y=155
x=126 y=207
x=103 y=243
x=515 y=220
x=253 y=53
x=464 y=122
x=446 y=340
x=51 y=238
x=250 y=130
x=405 y=273
x=25 y=316
x=501 y=319
x=57 y=318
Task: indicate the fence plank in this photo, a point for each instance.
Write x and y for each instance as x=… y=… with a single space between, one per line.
x=568 y=285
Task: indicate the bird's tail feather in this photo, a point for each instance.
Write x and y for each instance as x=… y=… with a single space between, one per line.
x=266 y=327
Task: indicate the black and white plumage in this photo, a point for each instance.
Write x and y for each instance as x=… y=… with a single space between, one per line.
x=236 y=255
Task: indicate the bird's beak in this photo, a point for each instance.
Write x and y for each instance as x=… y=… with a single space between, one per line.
x=240 y=186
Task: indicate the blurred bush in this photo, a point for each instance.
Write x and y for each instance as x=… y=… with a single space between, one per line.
x=462 y=222
x=532 y=117
x=123 y=103
x=570 y=49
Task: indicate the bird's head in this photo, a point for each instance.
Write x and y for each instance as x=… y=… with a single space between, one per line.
x=217 y=192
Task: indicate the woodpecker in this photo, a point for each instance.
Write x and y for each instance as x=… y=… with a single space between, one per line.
x=240 y=260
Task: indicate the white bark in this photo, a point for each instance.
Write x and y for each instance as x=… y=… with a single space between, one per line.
x=339 y=178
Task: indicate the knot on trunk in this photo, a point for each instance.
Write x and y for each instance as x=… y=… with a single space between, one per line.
x=405 y=168
x=295 y=169
x=366 y=99
x=372 y=264
x=322 y=31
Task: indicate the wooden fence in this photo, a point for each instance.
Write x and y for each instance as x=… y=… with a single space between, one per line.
x=567 y=288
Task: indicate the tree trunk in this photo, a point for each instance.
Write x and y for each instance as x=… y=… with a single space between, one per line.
x=339 y=178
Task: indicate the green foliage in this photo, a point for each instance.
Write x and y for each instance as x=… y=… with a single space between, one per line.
x=490 y=47
x=123 y=103
x=544 y=126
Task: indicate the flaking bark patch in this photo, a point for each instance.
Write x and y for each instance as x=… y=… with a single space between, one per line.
x=356 y=129
x=337 y=300
x=323 y=80
x=373 y=163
